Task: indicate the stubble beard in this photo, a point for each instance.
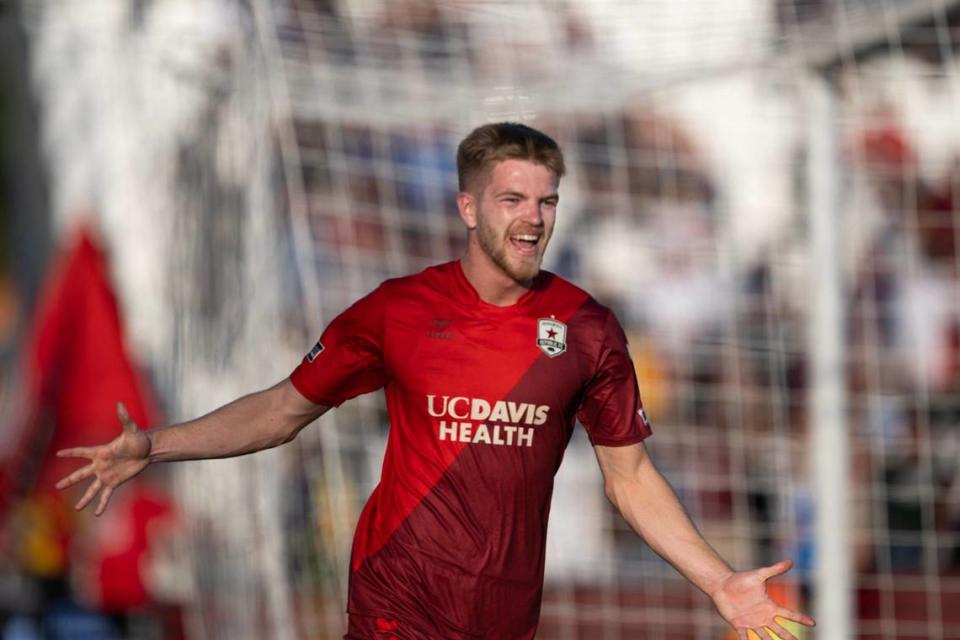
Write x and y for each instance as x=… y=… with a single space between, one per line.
x=495 y=248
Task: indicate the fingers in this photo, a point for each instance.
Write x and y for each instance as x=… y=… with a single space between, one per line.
x=105 y=498
x=796 y=616
x=764 y=633
x=75 y=477
x=76 y=452
x=776 y=569
x=781 y=631
x=89 y=495
x=742 y=634
x=128 y=425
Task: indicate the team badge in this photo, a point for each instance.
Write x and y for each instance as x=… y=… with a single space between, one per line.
x=317 y=350
x=551 y=336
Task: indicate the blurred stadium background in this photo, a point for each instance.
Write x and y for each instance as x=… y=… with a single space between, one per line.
x=767 y=192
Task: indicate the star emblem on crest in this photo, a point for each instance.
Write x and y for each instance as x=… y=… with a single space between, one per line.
x=551 y=336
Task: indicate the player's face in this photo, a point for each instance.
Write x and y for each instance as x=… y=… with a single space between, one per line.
x=515 y=214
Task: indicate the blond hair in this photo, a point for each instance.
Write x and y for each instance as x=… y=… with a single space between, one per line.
x=492 y=143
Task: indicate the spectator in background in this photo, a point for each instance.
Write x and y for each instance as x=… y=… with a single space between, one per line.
x=422 y=33
x=906 y=298
x=658 y=265
x=905 y=337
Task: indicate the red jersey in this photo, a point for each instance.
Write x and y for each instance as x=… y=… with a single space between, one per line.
x=482 y=402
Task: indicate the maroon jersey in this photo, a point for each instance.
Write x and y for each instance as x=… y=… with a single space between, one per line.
x=482 y=402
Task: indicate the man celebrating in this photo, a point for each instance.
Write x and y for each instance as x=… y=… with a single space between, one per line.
x=486 y=363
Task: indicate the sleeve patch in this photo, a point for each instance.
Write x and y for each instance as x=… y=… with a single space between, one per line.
x=316 y=351
x=643 y=416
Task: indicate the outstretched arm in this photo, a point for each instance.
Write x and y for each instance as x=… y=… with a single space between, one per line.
x=649 y=505
x=254 y=422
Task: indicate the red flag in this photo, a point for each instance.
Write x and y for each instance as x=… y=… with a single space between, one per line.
x=77 y=364
x=119 y=559
x=76 y=368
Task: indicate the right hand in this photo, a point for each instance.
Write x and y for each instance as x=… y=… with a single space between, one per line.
x=111 y=464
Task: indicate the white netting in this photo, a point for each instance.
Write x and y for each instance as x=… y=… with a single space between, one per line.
x=256 y=166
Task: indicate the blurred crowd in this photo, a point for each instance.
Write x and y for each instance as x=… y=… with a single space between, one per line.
x=720 y=341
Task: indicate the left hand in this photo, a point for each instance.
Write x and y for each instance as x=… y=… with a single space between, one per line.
x=743 y=601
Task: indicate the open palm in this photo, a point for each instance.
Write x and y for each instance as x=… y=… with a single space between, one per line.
x=111 y=464
x=742 y=600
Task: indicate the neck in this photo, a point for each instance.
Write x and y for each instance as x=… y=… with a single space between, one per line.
x=490 y=282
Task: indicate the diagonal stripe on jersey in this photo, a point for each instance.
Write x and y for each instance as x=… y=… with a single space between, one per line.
x=474 y=544
x=486 y=361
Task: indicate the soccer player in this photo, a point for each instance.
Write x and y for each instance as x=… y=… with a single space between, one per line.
x=486 y=362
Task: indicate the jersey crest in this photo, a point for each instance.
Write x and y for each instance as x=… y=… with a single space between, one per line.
x=551 y=336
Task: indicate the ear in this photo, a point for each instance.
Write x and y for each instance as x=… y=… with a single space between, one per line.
x=467 y=205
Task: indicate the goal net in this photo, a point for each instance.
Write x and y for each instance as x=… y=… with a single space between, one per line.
x=766 y=192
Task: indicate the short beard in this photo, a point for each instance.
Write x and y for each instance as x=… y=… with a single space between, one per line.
x=494 y=247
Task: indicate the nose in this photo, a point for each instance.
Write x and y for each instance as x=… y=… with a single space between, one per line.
x=533 y=213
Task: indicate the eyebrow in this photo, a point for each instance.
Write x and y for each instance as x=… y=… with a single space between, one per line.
x=552 y=196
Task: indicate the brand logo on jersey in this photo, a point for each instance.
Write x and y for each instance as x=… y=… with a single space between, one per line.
x=317 y=350
x=439 y=329
x=480 y=421
x=551 y=336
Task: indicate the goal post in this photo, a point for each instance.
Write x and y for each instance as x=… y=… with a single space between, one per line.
x=829 y=427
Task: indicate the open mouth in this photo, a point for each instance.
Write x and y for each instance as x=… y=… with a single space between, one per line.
x=525 y=243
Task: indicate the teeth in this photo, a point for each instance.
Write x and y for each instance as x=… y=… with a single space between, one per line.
x=526 y=238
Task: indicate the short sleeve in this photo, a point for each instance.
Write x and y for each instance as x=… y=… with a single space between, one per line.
x=611 y=410
x=347 y=360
